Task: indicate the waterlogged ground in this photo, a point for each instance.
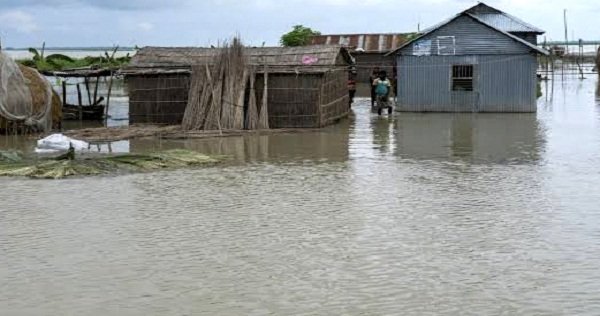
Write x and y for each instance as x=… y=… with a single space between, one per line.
x=419 y=214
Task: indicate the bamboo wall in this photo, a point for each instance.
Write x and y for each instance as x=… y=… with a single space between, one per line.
x=158 y=98
x=334 y=102
x=294 y=100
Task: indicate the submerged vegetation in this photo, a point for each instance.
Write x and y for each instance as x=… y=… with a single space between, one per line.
x=57 y=62
x=13 y=164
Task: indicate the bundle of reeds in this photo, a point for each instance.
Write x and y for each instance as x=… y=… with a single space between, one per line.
x=251 y=121
x=222 y=97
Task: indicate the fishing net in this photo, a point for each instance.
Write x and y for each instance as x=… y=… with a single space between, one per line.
x=25 y=95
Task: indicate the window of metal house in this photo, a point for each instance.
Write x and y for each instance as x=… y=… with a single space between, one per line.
x=462 y=78
x=446 y=45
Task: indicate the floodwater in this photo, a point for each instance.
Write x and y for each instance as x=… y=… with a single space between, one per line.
x=419 y=214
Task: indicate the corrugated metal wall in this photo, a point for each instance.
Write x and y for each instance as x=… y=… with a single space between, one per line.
x=530 y=37
x=504 y=71
x=470 y=38
x=502 y=83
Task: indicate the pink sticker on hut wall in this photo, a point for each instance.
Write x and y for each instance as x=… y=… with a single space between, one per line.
x=309 y=60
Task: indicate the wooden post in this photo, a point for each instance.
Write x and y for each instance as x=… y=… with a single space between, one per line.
x=110 y=84
x=64 y=92
x=96 y=90
x=79 y=102
x=87 y=88
x=263 y=115
x=566 y=32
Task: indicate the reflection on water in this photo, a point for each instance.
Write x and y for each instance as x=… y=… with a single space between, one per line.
x=330 y=144
x=501 y=138
x=426 y=214
x=598 y=93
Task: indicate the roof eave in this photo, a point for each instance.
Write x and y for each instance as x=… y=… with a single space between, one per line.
x=533 y=29
x=464 y=13
x=533 y=47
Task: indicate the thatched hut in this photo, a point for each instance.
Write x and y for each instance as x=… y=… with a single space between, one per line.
x=307 y=86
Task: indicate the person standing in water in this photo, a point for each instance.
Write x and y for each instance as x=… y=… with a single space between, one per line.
x=352 y=86
x=383 y=87
x=372 y=79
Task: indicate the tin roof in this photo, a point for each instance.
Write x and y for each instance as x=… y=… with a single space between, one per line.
x=369 y=43
x=476 y=19
x=502 y=20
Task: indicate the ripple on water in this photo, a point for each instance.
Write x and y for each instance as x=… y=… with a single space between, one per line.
x=423 y=214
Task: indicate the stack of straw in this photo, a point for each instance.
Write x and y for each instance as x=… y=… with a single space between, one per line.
x=222 y=97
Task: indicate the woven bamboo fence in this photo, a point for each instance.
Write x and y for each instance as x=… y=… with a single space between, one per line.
x=236 y=87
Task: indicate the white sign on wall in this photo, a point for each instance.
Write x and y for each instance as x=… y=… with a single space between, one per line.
x=422 y=48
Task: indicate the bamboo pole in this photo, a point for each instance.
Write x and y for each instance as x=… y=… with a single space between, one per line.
x=87 y=89
x=96 y=90
x=79 y=102
x=252 y=113
x=263 y=116
x=238 y=117
x=110 y=85
x=64 y=94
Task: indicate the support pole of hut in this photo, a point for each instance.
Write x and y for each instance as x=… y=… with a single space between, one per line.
x=263 y=116
x=87 y=89
x=79 y=102
x=64 y=94
x=110 y=84
x=96 y=90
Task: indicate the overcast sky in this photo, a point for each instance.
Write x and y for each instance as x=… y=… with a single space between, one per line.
x=62 y=23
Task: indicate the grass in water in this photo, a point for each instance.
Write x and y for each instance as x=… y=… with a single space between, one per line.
x=59 y=169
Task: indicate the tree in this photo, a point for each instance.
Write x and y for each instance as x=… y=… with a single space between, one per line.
x=299 y=36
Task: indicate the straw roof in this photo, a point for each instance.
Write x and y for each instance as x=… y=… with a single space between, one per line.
x=318 y=58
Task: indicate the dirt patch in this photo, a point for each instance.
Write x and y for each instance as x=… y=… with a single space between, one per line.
x=111 y=134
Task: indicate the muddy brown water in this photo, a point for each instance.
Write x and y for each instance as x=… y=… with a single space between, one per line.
x=419 y=214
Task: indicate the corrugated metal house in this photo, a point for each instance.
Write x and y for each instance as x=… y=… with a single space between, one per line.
x=481 y=60
x=307 y=85
x=368 y=50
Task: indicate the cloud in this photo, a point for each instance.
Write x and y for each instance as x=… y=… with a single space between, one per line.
x=145 y=26
x=167 y=22
x=19 y=21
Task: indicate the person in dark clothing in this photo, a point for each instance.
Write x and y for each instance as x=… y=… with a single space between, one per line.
x=372 y=78
x=352 y=86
